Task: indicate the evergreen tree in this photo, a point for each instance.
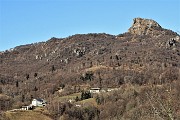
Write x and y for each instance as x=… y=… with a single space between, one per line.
x=35 y=74
x=17 y=84
x=77 y=98
x=52 y=68
x=27 y=76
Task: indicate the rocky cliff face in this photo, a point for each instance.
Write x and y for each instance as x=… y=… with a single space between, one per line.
x=145 y=27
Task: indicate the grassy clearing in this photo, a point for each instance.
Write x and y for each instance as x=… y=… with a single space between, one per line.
x=26 y=115
x=98 y=67
x=88 y=102
x=4 y=96
x=71 y=96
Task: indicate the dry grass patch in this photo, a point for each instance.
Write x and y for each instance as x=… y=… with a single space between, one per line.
x=68 y=97
x=95 y=68
x=26 y=115
x=88 y=102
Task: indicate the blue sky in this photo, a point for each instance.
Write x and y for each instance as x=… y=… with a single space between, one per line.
x=29 y=21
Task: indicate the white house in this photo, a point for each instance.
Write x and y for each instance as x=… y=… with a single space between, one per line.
x=94 y=90
x=38 y=102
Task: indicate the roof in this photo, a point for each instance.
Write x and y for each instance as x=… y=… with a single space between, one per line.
x=95 y=89
x=38 y=99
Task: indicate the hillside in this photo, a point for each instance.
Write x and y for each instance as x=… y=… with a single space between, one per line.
x=145 y=56
x=26 y=115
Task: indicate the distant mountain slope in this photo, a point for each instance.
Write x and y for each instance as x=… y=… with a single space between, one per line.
x=146 y=54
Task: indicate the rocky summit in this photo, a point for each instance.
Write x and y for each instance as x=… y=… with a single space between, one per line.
x=145 y=27
x=97 y=76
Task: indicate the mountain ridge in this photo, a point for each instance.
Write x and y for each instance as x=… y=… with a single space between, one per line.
x=94 y=59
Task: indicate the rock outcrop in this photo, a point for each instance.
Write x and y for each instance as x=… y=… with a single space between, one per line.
x=173 y=42
x=145 y=27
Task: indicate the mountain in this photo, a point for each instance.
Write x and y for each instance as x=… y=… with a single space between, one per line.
x=145 y=56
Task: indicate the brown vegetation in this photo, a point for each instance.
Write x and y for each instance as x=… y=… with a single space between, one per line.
x=142 y=65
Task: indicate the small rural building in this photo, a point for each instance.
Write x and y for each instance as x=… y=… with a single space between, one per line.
x=94 y=90
x=60 y=89
x=39 y=102
x=71 y=100
x=30 y=107
x=78 y=105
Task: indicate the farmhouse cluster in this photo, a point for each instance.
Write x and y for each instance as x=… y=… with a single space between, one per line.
x=35 y=103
